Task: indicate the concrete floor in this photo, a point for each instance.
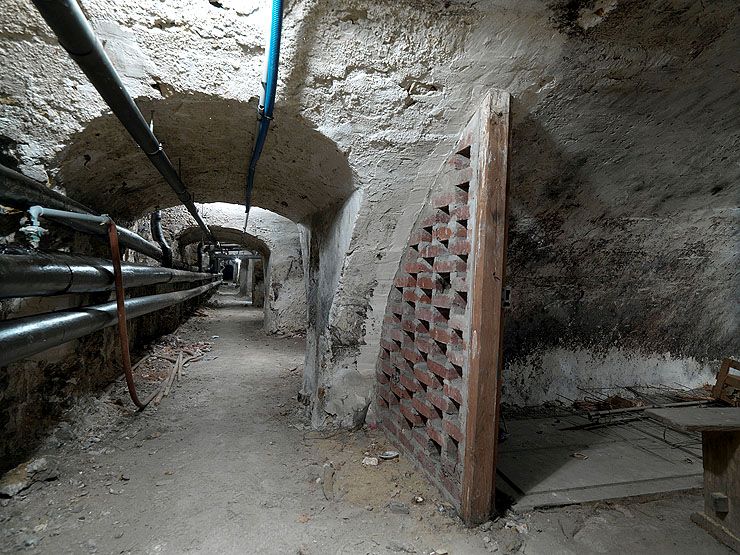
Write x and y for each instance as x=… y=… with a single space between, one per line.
x=228 y=464
x=555 y=461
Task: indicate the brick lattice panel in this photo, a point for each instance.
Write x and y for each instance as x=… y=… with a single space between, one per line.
x=423 y=364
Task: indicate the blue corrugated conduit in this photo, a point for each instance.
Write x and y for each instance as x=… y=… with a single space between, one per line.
x=267 y=99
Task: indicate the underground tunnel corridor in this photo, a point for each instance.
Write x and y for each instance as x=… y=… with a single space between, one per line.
x=440 y=277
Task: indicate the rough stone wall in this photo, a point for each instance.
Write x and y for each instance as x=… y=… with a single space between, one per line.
x=35 y=392
x=623 y=253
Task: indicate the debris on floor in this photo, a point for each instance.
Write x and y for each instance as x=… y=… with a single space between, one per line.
x=233 y=460
x=26 y=474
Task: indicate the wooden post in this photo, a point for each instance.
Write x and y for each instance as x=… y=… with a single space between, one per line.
x=486 y=316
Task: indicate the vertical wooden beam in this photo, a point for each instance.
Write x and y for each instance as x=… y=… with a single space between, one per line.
x=486 y=339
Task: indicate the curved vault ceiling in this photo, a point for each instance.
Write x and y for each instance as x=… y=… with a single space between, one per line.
x=300 y=172
x=224 y=235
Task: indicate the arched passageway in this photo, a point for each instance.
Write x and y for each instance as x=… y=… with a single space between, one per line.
x=208 y=138
x=282 y=287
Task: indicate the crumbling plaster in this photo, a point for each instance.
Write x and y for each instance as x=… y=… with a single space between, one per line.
x=623 y=186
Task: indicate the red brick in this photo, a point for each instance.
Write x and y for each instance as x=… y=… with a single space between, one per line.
x=381 y=402
x=453 y=390
x=427 y=464
x=447 y=299
x=458 y=321
x=391 y=320
x=410 y=414
x=400 y=391
x=425 y=312
x=418 y=266
x=387 y=368
x=425 y=281
x=459 y=281
x=457 y=357
x=423 y=374
x=450 y=263
x=462 y=173
x=404 y=280
x=448 y=232
x=444 y=334
x=440 y=401
x=427 y=345
x=396 y=334
x=461 y=212
x=439 y=365
x=423 y=296
x=409 y=383
x=452 y=486
x=459 y=246
x=424 y=407
x=422 y=332
x=409 y=294
x=458 y=161
x=435 y=217
x=420 y=437
x=405 y=441
x=385 y=392
x=409 y=325
x=389 y=344
x=396 y=308
x=412 y=356
x=434 y=430
x=390 y=425
x=452 y=427
x=432 y=250
x=400 y=362
x=419 y=236
x=409 y=310
x=382 y=377
x=456 y=196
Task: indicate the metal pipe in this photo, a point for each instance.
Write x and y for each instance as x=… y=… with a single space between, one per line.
x=77 y=37
x=596 y=414
x=23 y=337
x=158 y=235
x=267 y=100
x=20 y=191
x=44 y=274
x=90 y=223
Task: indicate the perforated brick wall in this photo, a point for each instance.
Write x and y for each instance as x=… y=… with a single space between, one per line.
x=423 y=355
x=439 y=366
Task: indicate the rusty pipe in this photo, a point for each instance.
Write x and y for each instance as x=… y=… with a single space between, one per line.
x=115 y=253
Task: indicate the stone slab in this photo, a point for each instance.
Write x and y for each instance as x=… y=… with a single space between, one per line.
x=560 y=466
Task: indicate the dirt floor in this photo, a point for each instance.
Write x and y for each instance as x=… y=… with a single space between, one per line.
x=227 y=464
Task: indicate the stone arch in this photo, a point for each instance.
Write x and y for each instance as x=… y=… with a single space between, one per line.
x=285 y=293
x=193 y=234
x=301 y=171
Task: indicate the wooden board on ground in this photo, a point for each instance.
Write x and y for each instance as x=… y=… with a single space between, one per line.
x=699 y=419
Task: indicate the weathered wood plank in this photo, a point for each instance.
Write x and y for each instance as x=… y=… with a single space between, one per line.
x=699 y=419
x=488 y=273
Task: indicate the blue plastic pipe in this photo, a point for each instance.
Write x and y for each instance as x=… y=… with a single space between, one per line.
x=267 y=101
